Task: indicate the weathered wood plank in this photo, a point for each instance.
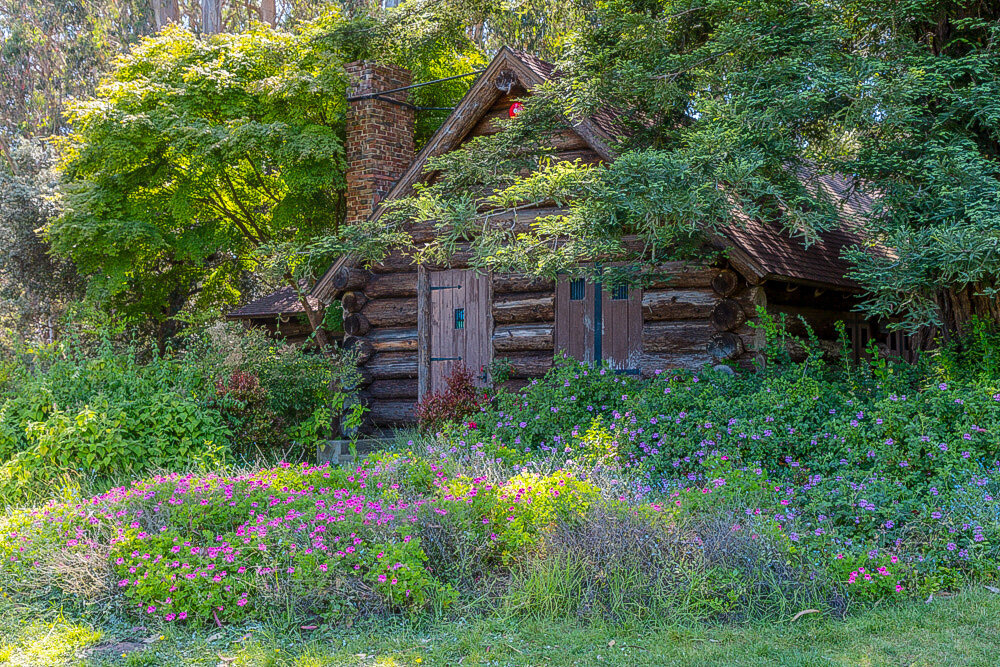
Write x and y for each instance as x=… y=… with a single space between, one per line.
x=677 y=304
x=423 y=332
x=392 y=365
x=524 y=337
x=524 y=307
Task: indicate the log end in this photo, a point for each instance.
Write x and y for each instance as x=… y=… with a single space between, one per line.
x=725 y=346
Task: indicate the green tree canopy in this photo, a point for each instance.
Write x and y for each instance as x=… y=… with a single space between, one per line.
x=195 y=157
x=723 y=103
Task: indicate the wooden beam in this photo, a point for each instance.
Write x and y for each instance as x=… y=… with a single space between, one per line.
x=423 y=332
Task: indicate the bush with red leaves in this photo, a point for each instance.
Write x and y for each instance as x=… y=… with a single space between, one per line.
x=459 y=400
x=242 y=400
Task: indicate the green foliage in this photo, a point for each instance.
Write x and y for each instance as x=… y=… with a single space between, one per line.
x=34 y=286
x=69 y=409
x=726 y=109
x=197 y=160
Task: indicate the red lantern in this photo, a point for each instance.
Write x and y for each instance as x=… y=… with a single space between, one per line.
x=515 y=109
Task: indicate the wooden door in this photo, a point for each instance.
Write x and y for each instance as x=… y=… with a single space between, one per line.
x=598 y=322
x=461 y=325
x=576 y=318
x=621 y=322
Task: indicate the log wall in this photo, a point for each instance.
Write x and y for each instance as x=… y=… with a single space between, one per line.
x=692 y=315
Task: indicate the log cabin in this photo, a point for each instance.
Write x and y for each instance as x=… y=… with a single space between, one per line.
x=411 y=325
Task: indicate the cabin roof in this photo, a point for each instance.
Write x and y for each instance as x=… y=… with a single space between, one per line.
x=773 y=253
x=285 y=301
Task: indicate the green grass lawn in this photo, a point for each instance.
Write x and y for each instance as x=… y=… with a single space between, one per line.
x=960 y=630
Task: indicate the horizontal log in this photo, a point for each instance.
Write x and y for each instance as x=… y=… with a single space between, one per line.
x=391 y=312
x=677 y=304
x=524 y=307
x=675 y=275
x=511 y=283
x=353 y=302
x=402 y=389
x=524 y=337
x=395 y=262
x=392 y=365
x=356 y=324
x=392 y=285
x=654 y=364
x=382 y=411
x=530 y=364
x=393 y=340
x=349 y=279
x=682 y=338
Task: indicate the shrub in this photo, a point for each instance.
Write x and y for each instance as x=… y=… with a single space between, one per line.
x=92 y=408
x=459 y=400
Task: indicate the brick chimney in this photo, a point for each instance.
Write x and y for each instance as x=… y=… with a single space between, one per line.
x=379 y=146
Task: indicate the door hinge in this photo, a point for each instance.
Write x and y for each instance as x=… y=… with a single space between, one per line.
x=437 y=287
x=446 y=358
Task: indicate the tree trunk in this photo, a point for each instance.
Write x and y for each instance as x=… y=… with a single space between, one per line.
x=267 y=13
x=315 y=320
x=165 y=12
x=211 y=16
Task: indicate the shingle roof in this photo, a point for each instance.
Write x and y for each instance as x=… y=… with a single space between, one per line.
x=779 y=254
x=283 y=302
x=606 y=119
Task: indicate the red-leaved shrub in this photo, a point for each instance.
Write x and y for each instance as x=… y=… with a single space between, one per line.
x=459 y=400
x=243 y=402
